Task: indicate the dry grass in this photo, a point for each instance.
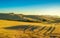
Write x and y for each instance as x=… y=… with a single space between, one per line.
x=43 y=30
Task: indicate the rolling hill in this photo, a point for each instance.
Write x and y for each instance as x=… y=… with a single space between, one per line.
x=30 y=18
x=29 y=26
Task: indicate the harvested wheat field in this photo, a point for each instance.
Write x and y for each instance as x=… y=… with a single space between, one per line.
x=15 y=29
x=29 y=18
x=29 y=26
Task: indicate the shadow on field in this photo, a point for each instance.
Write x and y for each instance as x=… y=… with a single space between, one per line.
x=34 y=31
x=23 y=27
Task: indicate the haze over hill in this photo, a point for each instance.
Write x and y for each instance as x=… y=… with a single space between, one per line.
x=23 y=26
x=30 y=18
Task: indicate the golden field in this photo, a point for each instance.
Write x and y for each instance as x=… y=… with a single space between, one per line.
x=32 y=30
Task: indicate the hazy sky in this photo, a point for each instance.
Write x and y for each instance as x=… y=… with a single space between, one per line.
x=44 y=7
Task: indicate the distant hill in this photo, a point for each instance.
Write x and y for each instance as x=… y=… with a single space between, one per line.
x=29 y=18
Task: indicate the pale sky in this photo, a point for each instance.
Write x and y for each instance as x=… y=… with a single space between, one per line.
x=31 y=7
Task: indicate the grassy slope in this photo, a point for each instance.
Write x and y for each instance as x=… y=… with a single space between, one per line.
x=30 y=18
x=12 y=33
